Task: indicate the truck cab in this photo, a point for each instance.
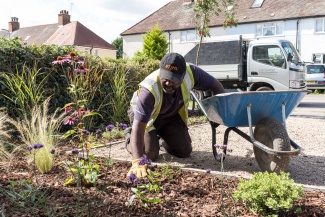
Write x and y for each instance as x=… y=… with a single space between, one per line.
x=274 y=65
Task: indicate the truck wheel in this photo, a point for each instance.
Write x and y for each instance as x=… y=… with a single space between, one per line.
x=265 y=88
x=272 y=133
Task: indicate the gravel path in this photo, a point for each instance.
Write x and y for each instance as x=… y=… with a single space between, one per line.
x=305 y=127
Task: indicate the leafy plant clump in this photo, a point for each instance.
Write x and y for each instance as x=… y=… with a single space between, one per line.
x=268 y=193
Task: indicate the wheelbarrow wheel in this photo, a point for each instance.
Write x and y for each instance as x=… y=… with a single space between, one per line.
x=272 y=133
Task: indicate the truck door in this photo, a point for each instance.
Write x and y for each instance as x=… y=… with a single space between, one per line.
x=267 y=67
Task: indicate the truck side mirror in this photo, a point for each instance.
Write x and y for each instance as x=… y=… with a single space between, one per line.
x=289 y=57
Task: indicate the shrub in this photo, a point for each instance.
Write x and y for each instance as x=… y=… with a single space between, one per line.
x=268 y=193
x=40 y=127
x=4 y=153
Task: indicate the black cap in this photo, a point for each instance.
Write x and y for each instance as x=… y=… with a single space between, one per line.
x=172 y=67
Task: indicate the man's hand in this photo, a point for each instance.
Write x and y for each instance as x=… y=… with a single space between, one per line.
x=139 y=170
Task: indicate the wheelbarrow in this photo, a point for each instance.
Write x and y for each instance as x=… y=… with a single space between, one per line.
x=267 y=112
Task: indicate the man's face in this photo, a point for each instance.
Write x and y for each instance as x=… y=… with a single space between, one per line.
x=169 y=86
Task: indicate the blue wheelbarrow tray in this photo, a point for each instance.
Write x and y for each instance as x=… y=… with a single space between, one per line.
x=267 y=111
x=230 y=109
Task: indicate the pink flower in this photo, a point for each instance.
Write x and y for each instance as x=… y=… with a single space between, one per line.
x=69 y=121
x=81 y=112
x=81 y=69
x=60 y=60
x=67 y=109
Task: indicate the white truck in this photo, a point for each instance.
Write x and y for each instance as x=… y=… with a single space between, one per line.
x=258 y=65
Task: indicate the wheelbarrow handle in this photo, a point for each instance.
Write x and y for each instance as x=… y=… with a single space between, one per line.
x=199 y=103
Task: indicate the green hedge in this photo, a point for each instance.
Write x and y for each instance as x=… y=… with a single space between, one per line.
x=14 y=55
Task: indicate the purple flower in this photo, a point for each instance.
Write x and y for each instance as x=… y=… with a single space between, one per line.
x=75 y=151
x=80 y=157
x=132 y=177
x=122 y=126
x=86 y=131
x=144 y=160
x=30 y=148
x=37 y=146
x=52 y=151
x=110 y=127
x=98 y=131
x=220 y=146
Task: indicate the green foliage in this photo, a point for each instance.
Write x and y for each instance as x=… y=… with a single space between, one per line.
x=39 y=127
x=268 y=193
x=148 y=190
x=155 y=43
x=115 y=133
x=25 y=89
x=15 y=53
x=141 y=192
x=20 y=62
x=118 y=43
x=24 y=196
x=4 y=136
x=204 y=9
x=139 y=57
x=84 y=171
x=18 y=58
x=119 y=93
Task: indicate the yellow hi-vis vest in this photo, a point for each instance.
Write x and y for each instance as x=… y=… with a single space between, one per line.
x=152 y=83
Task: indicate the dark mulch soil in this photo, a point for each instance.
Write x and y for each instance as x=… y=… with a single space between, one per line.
x=188 y=194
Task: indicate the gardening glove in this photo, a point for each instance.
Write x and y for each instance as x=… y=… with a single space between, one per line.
x=138 y=170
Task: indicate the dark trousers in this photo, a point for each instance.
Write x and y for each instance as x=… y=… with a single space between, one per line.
x=171 y=133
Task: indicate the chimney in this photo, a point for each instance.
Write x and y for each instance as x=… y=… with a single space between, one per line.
x=13 y=25
x=64 y=17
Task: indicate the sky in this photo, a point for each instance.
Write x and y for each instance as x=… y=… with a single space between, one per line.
x=106 y=18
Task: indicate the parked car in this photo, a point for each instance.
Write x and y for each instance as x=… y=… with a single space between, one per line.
x=315 y=76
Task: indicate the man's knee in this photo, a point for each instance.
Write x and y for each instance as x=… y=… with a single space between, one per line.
x=183 y=153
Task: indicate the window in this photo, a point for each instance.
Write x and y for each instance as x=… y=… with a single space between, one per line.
x=314 y=69
x=257 y=3
x=269 y=29
x=318 y=58
x=319 y=25
x=270 y=55
x=189 y=35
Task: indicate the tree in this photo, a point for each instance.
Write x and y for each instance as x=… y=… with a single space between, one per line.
x=155 y=43
x=204 y=9
x=118 y=43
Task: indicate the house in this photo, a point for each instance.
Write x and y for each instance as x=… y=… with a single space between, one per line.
x=301 y=22
x=62 y=33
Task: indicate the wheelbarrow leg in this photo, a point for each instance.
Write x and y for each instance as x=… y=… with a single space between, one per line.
x=214 y=139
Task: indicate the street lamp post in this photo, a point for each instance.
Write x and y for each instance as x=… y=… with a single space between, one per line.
x=7 y=31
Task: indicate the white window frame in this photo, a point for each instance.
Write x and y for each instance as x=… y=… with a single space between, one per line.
x=322 y=23
x=257 y=3
x=188 y=36
x=275 y=28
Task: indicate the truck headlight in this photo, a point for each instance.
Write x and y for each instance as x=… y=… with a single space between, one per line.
x=294 y=84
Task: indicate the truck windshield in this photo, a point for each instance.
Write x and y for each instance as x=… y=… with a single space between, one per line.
x=289 y=48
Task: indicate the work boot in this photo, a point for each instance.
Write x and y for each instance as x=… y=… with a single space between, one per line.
x=127 y=136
